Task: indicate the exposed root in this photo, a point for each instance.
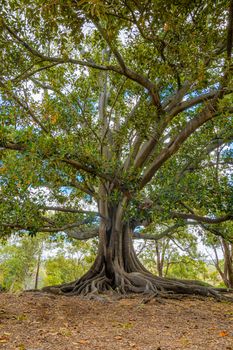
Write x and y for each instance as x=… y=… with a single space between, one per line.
x=94 y=284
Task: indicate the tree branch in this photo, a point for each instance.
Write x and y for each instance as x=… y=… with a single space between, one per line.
x=37 y=53
x=45 y=228
x=90 y=168
x=198 y=218
x=12 y=146
x=82 y=235
x=230 y=31
x=104 y=34
x=69 y=210
x=217 y=142
x=91 y=64
x=27 y=74
x=182 y=106
x=24 y=106
x=126 y=71
x=82 y=188
x=207 y=114
x=147 y=148
x=167 y=232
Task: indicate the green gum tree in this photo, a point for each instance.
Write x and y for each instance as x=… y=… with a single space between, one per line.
x=98 y=99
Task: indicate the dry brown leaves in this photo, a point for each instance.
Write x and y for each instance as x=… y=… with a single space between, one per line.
x=34 y=321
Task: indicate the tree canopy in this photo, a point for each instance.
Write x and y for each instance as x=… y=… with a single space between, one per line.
x=116 y=114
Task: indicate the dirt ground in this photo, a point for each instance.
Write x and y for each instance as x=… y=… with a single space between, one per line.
x=35 y=321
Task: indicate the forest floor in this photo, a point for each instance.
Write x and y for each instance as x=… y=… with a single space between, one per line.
x=36 y=321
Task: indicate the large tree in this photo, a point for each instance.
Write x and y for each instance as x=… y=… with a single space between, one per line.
x=102 y=104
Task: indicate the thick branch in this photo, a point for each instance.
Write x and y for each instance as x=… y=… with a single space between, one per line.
x=157 y=237
x=193 y=216
x=148 y=147
x=82 y=235
x=198 y=218
x=69 y=210
x=207 y=114
x=89 y=168
x=12 y=146
x=128 y=72
x=182 y=106
x=116 y=53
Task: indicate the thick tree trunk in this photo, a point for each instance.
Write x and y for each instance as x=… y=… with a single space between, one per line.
x=117 y=267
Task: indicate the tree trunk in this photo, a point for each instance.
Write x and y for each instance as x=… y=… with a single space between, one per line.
x=228 y=264
x=159 y=261
x=117 y=267
x=38 y=266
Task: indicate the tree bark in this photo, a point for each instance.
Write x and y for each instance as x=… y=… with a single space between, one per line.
x=228 y=264
x=117 y=267
x=38 y=266
x=159 y=260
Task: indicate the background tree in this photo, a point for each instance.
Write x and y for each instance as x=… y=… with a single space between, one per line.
x=174 y=256
x=33 y=262
x=19 y=260
x=73 y=258
x=222 y=256
x=103 y=103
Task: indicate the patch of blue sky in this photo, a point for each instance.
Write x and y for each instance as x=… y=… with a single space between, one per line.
x=79 y=178
x=66 y=190
x=196 y=93
x=138 y=229
x=88 y=198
